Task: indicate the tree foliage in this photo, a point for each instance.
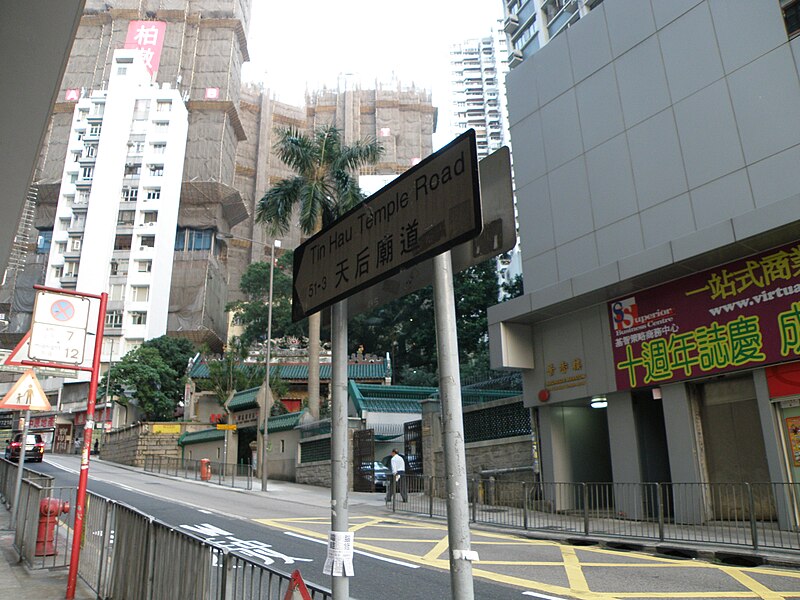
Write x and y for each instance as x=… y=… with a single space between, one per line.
x=253 y=311
x=151 y=376
x=406 y=327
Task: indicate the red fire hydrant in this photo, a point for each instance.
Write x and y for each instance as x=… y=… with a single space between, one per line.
x=205 y=469
x=49 y=509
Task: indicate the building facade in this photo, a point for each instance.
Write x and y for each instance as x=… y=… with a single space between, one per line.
x=659 y=228
x=479 y=68
x=195 y=48
x=117 y=211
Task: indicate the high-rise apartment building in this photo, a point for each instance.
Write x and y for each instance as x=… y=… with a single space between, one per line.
x=402 y=118
x=195 y=48
x=479 y=68
x=117 y=211
x=530 y=24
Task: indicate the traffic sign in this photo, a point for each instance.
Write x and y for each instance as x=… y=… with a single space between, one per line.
x=58 y=331
x=431 y=208
x=499 y=235
x=297 y=589
x=26 y=394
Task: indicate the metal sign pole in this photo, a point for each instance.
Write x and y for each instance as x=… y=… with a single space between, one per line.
x=20 y=469
x=453 y=430
x=80 y=500
x=339 y=454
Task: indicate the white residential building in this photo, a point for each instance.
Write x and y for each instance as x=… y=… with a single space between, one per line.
x=479 y=68
x=117 y=211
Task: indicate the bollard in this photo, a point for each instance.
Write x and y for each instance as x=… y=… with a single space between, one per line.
x=49 y=509
x=205 y=469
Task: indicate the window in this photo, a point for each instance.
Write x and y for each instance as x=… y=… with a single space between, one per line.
x=148 y=241
x=83 y=113
x=87 y=173
x=130 y=194
x=164 y=105
x=114 y=319
x=140 y=293
x=791 y=16
x=132 y=169
x=71 y=269
x=94 y=130
x=150 y=216
x=61 y=247
x=76 y=156
x=159 y=148
x=83 y=198
x=123 y=242
x=75 y=244
x=131 y=345
x=122 y=70
x=125 y=217
x=144 y=266
x=154 y=194
x=138 y=318
x=43 y=241
x=141 y=106
x=193 y=240
x=73 y=177
x=135 y=147
x=63 y=224
x=161 y=124
x=156 y=170
x=116 y=292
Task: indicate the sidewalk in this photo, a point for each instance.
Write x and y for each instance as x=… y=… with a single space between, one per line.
x=17 y=582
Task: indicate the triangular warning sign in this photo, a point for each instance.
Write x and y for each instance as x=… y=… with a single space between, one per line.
x=297 y=589
x=20 y=351
x=26 y=394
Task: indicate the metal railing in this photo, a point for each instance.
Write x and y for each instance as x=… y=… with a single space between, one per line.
x=132 y=555
x=745 y=515
x=39 y=500
x=230 y=475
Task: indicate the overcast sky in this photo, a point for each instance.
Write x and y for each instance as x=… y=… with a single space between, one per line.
x=294 y=45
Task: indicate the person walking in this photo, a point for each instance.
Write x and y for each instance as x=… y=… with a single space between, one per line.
x=398 y=483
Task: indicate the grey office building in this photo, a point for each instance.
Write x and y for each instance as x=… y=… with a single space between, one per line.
x=655 y=160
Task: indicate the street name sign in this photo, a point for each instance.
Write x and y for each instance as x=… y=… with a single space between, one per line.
x=499 y=235
x=58 y=331
x=431 y=208
x=26 y=394
x=227 y=426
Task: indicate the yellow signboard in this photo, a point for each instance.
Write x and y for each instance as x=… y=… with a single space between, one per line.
x=226 y=426
x=167 y=428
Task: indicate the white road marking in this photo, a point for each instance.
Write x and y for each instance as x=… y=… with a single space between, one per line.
x=205 y=512
x=544 y=596
x=361 y=552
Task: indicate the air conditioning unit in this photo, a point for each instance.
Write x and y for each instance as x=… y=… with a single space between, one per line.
x=150 y=223
x=143 y=248
x=511 y=24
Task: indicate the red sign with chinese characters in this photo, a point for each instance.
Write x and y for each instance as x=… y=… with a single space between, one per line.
x=741 y=315
x=147 y=36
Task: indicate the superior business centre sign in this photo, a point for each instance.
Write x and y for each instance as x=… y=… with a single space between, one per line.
x=429 y=209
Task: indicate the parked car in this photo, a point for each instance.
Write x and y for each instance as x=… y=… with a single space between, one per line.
x=34 y=447
x=380 y=474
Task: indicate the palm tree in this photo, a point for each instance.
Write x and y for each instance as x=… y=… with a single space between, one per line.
x=325 y=186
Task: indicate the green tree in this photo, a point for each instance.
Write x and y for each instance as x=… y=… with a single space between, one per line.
x=512 y=289
x=325 y=186
x=253 y=311
x=406 y=327
x=153 y=375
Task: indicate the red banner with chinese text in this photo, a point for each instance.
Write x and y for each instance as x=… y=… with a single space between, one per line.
x=737 y=316
x=147 y=36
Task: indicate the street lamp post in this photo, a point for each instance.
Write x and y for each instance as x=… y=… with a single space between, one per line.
x=268 y=392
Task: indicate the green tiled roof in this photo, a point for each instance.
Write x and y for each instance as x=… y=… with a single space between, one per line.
x=406 y=398
x=299 y=371
x=244 y=400
x=284 y=422
x=387 y=398
x=198 y=437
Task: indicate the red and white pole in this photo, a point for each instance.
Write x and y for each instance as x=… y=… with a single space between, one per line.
x=80 y=502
